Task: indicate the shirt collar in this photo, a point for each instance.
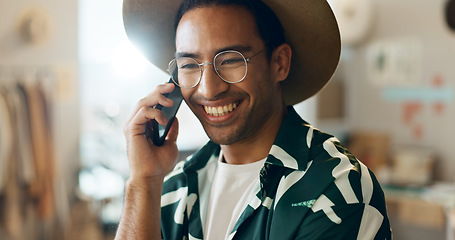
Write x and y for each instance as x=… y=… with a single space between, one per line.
x=291 y=148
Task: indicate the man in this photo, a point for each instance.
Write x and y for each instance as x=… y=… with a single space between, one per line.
x=266 y=173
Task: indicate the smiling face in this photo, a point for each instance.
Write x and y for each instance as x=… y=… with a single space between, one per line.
x=230 y=113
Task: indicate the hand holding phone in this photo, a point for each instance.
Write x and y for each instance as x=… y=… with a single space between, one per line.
x=157 y=132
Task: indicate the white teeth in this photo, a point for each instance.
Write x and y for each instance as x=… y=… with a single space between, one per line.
x=221 y=110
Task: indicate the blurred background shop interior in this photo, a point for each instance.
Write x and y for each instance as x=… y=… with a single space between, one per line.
x=69 y=79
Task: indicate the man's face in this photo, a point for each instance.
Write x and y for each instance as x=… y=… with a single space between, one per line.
x=248 y=107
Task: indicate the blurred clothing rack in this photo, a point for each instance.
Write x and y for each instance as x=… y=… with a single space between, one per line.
x=30 y=195
x=28 y=75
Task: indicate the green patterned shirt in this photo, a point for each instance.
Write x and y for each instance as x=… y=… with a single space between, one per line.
x=310 y=187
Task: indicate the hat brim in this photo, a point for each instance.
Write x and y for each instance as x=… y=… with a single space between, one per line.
x=310 y=28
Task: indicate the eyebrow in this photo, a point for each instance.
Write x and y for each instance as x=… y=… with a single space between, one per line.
x=239 y=48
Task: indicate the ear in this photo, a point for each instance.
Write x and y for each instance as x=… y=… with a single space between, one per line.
x=281 y=62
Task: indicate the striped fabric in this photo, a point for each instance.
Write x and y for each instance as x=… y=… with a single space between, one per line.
x=310 y=187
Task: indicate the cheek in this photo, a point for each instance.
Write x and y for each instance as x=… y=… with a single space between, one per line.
x=186 y=93
x=268 y=94
x=261 y=84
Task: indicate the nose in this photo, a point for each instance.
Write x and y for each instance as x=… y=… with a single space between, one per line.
x=211 y=84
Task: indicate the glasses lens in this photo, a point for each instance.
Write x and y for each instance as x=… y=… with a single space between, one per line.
x=231 y=66
x=185 y=72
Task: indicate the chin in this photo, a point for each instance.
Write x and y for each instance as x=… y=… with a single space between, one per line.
x=226 y=136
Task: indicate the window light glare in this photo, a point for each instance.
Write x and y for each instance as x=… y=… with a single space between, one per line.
x=127 y=61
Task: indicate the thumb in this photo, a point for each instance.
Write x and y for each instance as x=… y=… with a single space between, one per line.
x=173 y=131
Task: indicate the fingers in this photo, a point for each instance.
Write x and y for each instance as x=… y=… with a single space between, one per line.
x=145 y=110
x=136 y=126
x=173 y=131
x=154 y=98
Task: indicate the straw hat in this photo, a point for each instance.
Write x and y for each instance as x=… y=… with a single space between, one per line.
x=310 y=28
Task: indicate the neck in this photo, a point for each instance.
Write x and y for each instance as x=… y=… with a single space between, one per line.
x=256 y=147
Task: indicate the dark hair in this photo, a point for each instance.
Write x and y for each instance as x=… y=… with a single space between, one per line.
x=269 y=26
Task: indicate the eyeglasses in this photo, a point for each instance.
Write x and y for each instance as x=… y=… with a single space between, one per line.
x=230 y=65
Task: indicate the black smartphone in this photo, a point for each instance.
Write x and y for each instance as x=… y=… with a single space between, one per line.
x=157 y=132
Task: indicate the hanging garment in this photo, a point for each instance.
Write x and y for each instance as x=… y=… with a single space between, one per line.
x=12 y=217
x=42 y=190
x=26 y=165
x=6 y=137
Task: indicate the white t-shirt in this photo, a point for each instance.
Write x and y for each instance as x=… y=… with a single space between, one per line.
x=230 y=192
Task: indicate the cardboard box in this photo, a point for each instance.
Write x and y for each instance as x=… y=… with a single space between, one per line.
x=421 y=213
x=370 y=148
x=412 y=166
